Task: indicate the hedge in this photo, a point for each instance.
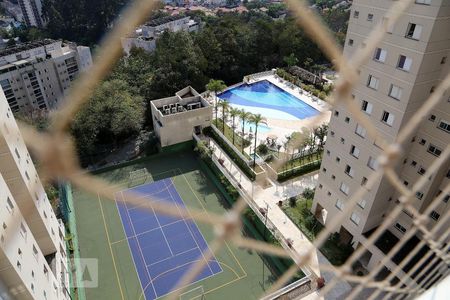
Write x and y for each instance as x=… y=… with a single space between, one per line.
x=230 y=152
x=307 y=168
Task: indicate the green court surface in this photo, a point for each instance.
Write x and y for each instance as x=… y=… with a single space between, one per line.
x=101 y=236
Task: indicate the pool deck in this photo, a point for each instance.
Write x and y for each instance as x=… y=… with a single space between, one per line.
x=282 y=128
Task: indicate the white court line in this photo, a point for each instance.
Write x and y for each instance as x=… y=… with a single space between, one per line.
x=191 y=290
x=162 y=231
x=164 y=259
x=192 y=235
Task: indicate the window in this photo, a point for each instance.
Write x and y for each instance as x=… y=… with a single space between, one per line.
x=400 y=227
x=395 y=92
x=446 y=198
x=414 y=31
x=413 y=163
x=427 y=2
x=421 y=171
x=361 y=131
x=328 y=152
x=35 y=252
x=344 y=188
x=23 y=230
x=370 y=17
x=372 y=163
x=355 y=218
x=432 y=118
x=419 y=195
x=338 y=159
x=373 y=82
x=434 y=150
x=26 y=175
x=362 y=203
x=9 y=206
x=434 y=215
x=422 y=142
x=332 y=133
x=356 y=14
x=324 y=170
x=347 y=120
x=406 y=183
x=366 y=107
x=342 y=140
x=354 y=151
x=363 y=181
x=443 y=60
x=404 y=63
x=336 y=113
x=350 y=42
x=380 y=55
x=339 y=204
x=349 y=171
x=387 y=118
x=444 y=126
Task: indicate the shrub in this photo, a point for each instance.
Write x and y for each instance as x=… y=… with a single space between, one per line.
x=307 y=168
x=292 y=201
x=308 y=193
x=230 y=152
x=262 y=149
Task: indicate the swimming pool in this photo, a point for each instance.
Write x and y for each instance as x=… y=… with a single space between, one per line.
x=269 y=100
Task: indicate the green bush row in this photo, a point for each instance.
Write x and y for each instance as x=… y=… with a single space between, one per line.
x=320 y=92
x=313 y=166
x=230 y=152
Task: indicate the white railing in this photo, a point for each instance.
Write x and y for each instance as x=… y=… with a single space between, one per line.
x=289 y=288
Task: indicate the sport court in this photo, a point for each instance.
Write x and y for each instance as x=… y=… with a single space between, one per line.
x=101 y=234
x=163 y=248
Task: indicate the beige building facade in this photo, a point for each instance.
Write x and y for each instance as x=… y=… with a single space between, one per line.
x=37 y=75
x=33 y=258
x=176 y=119
x=405 y=68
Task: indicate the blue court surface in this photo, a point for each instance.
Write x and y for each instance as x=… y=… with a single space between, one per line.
x=163 y=248
x=269 y=100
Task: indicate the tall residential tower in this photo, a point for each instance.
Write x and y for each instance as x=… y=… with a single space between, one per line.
x=33 y=259
x=404 y=70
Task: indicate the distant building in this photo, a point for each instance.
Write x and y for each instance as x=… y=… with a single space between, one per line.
x=175 y=119
x=146 y=35
x=32 y=12
x=36 y=75
x=33 y=255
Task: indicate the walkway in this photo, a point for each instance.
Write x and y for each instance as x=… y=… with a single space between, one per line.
x=268 y=198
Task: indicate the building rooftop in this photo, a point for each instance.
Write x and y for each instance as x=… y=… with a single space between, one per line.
x=163 y=20
x=26 y=46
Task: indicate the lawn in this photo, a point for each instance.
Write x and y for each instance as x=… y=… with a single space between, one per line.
x=229 y=135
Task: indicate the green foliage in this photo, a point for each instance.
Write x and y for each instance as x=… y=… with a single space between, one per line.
x=262 y=149
x=307 y=168
x=83 y=21
x=114 y=112
x=308 y=193
x=230 y=152
x=37 y=119
x=292 y=201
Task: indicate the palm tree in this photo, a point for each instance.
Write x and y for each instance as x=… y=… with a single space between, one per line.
x=215 y=86
x=234 y=112
x=256 y=119
x=244 y=116
x=224 y=104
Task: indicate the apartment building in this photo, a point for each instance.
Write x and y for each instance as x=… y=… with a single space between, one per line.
x=37 y=75
x=32 y=12
x=146 y=35
x=405 y=68
x=33 y=259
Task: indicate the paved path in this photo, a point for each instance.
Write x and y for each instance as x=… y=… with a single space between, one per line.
x=268 y=198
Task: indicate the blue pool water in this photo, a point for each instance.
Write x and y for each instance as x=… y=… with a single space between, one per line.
x=261 y=127
x=269 y=100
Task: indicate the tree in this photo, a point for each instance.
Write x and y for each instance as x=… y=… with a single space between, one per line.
x=215 y=86
x=290 y=60
x=256 y=119
x=224 y=104
x=113 y=113
x=234 y=112
x=320 y=133
x=244 y=116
